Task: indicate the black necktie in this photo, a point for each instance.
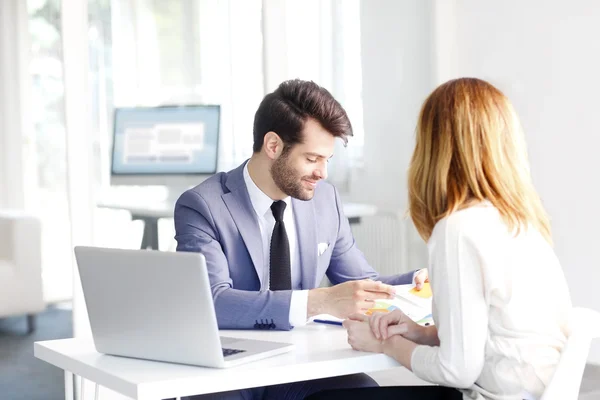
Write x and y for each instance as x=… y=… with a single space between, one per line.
x=280 y=276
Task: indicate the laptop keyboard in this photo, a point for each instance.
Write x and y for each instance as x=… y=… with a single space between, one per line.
x=230 y=352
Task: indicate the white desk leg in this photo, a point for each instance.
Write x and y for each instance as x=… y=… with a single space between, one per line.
x=82 y=393
x=68 y=385
x=97 y=392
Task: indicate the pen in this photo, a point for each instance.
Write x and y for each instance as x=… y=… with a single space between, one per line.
x=325 y=321
x=398 y=297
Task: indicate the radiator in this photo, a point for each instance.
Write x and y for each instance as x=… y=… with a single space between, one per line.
x=390 y=243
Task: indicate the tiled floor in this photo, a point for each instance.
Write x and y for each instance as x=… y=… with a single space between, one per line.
x=590 y=385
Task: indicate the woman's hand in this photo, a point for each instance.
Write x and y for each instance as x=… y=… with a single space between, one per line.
x=420 y=278
x=360 y=335
x=384 y=325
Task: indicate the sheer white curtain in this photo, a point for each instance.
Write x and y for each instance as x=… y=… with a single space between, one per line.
x=32 y=136
x=79 y=161
x=15 y=126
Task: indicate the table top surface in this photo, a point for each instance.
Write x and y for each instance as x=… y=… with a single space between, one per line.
x=320 y=351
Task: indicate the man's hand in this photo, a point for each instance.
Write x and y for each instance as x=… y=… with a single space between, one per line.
x=347 y=298
x=420 y=278
x=360 y=336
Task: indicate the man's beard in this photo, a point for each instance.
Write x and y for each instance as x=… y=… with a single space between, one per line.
x=288 y=180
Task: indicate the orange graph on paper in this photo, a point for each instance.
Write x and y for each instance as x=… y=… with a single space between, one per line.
x=424 y=293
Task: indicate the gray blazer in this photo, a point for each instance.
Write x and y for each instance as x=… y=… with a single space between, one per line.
x=216 y=218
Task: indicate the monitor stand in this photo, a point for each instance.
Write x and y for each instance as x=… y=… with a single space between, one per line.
x=145 y=203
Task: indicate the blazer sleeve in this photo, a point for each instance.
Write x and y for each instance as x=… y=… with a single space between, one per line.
x=348 y=262
x=195 y=231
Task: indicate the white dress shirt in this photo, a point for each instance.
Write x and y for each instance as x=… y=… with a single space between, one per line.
x=262 y=206
x=500 y=304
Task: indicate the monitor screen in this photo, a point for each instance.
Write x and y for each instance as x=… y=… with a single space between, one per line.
x=165 y=141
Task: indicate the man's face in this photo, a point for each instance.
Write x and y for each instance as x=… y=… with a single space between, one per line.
x=298 y=169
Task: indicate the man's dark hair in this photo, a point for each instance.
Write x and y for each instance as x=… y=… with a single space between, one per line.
x=286 y=110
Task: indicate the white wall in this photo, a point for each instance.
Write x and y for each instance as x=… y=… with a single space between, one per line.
x=544 y=55
x=398 y=73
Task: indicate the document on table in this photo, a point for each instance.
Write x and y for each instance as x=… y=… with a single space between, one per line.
x=415 y=304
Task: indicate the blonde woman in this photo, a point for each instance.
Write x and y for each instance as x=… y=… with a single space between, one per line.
x=500 y=300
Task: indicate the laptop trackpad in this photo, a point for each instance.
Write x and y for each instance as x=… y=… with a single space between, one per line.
x=228 y=340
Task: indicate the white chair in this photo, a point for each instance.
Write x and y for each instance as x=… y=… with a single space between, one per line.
x=584 y=326
x=21 y=291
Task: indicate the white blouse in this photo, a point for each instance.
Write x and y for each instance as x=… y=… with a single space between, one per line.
x=500 y=304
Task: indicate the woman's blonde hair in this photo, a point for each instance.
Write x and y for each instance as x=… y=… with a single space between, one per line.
x=470 y=148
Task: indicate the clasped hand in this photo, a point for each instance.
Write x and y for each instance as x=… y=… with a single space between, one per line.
x=369 y=333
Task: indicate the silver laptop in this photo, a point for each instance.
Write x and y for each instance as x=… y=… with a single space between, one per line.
x=158 y=306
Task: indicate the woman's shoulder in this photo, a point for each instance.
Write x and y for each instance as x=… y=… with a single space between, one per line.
x=469 y=222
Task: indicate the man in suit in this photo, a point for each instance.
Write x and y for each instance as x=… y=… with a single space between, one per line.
x=272 y=228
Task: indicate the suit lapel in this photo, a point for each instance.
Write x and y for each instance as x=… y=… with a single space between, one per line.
x=239 y=205
x=306 y=229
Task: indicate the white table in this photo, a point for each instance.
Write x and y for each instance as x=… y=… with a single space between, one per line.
x=321 y=351
x=151 y=212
